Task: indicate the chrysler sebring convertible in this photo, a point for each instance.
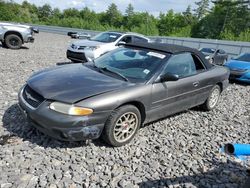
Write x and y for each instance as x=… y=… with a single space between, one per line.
x=114 y=95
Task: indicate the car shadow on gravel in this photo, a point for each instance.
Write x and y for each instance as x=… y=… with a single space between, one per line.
x=229 y=174
x=22 y=47
x=20 y=130
x=238 y=83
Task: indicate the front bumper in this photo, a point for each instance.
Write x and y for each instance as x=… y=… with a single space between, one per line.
x=28 y=38
x=31 y=39
x=76 y=56
x=61 y=126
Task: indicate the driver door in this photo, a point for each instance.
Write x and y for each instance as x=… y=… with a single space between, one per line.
x=174 y=96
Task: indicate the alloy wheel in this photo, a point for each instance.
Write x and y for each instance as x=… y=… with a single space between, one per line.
x=215 y=95
x=125 y=127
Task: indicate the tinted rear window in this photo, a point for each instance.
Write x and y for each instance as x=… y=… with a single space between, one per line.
x=208 y=50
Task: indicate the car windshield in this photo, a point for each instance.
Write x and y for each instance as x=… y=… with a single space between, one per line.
x=135 y=65
x=243 y=57
x=208 y=50
x=106 y=37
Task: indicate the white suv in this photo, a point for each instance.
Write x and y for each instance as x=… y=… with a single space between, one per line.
x=87 y=50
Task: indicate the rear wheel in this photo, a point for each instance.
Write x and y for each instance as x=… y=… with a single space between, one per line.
x=122 y=125
x=213 y=98
x=13 y=41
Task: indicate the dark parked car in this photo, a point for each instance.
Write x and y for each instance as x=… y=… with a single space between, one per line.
x=216 y=56
x=79 y=35
x=119 y=91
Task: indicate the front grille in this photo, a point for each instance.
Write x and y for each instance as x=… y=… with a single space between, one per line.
x=32 y=97
x=77 y=55
x=81 y=47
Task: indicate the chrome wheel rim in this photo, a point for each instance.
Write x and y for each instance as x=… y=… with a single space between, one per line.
x=125 y=127
x=215 y=95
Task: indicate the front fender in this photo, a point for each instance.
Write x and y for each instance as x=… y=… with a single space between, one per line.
x=111 y=100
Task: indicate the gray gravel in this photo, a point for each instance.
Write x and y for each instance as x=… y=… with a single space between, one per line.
x=179 y=151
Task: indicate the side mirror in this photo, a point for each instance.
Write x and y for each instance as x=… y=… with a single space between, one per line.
x=169 y=77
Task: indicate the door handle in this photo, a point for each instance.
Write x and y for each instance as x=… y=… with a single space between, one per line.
x=195 y=84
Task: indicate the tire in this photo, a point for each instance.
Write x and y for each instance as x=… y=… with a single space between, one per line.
x=13 y=41
x=118 y=131
x=212 y=99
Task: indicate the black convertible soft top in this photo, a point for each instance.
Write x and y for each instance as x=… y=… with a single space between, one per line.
x=172 y=49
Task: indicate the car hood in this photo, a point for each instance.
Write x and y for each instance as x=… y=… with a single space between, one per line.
x=14 y=25
x=235 y=64
x=87 y=43
x=72 y=83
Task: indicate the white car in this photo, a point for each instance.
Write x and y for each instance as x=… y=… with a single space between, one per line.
x=14 y=35
x=90 y=49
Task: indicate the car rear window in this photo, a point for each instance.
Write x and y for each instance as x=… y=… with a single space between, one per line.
x=208 y=50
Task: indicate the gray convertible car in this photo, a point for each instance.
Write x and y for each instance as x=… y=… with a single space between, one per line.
x=121 y=90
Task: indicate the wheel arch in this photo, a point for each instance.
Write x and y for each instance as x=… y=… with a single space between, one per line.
x=220 y=84
x=13 y=32
x=139 y=105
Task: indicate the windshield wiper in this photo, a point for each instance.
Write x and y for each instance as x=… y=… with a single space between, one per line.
x=102 y=69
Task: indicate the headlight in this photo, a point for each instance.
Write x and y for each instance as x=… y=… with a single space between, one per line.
x=70 y=109
x=207 y=57
x=92 y=47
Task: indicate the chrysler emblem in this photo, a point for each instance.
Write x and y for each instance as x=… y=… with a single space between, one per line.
x=30 y=97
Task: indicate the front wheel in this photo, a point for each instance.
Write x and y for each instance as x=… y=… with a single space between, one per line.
x=13 y=41
x=213 y=98
x=122 y=125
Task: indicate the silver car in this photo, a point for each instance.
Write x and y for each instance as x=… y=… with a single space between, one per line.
x=14 y=35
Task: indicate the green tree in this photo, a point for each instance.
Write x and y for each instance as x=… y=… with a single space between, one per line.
x=44 y=12
x=224 y=18
x=129 y=10
x=113 y=16
x=202 y=9
x=128 y=18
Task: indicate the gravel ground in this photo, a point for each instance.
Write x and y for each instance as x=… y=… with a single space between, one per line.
x=179 y=151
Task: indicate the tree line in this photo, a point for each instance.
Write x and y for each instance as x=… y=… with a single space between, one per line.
x=217 y=19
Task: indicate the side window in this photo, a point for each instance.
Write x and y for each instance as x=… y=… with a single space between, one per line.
x=139 y=39
x=222 y=52
x=184 y=65
x=126 y=39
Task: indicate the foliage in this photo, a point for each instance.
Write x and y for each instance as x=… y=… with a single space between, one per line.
x=224 y=20
x=202 y=9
